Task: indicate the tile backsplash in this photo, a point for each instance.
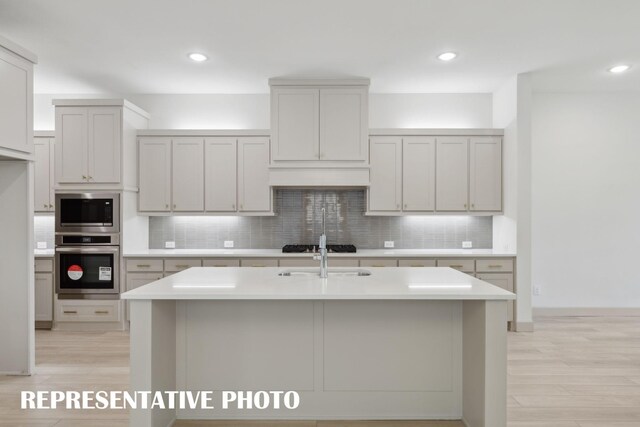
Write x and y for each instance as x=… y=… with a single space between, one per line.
x=43 y=230
x=298 y=220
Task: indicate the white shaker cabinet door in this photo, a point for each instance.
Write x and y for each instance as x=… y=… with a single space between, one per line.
x=343 y=124
x=16 y=103
x=295 y=123
x=43 y=296
x=452 y=177
x=154 y=168
x=254 y=193
x=385 y=191
x=220 y=159
x=188 y=175
x=71 y=145
x=485 y=170
x=42 y=171
x=104 y=141
x=419 y=173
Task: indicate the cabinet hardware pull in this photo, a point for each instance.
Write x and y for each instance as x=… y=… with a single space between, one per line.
x=143 y=265
x=45 y=205
x=495 y=266
x=465 y=206
x=70 y=312
x=182 y=266
x=101 y=312
x=473 y=205
x=377 y=265
x=51 y=206
x=259 y=265
x=416 y=265
x=166 y=206
x=405 y=206
x=90 y=178
x=456 y=266
x=174 y=206
x=84 y=177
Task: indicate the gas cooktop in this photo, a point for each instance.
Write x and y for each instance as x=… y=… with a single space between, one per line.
x=314 y=248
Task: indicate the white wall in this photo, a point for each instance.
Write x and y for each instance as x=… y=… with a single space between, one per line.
x=252 y=111
x=512 y=231
x=586 y=204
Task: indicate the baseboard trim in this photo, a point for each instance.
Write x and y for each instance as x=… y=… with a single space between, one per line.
x=524 y=326
x=586 y=311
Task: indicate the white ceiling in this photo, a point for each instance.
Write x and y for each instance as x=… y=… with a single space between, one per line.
x=141 y=46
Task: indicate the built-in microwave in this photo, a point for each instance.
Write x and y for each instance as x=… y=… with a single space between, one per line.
x=87 y=213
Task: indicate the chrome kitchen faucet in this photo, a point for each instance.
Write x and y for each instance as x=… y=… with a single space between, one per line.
x=322 y=250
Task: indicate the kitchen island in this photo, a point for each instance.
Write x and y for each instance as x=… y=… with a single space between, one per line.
x=399 y=343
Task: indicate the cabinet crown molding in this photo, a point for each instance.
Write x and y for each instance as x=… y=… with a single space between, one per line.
x=116 y=102
x=292 y=81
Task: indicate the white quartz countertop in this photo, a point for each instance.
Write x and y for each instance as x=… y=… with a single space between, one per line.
x=277 y=253
x=250 y=283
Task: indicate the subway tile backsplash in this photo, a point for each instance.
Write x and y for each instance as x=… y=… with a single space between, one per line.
x=298 y=220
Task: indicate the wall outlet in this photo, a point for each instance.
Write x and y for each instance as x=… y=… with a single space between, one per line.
x=389 y=244
x=228 y=243
x=170 y=245
x=467 y=244
x=536 y=290
x=41 y=245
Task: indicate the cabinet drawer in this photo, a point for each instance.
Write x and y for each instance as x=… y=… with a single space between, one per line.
x=301 y=262
x=264 y=262
x=417 y=263
x=43 y=265
x=494 y=265
x=144 y=265
x=341 y=262
x=378 y=262
x=87 y=311
x=465 y=265
x=223 y=262
x=174 y=265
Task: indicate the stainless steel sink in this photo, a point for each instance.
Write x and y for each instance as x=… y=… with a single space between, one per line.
x=358 y=272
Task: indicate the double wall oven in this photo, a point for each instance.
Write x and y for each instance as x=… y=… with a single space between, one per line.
x=87 y=252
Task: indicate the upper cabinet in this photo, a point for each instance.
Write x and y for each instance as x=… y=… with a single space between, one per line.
x=188 y=174
x=213 y=174
x=96 y=143
x=254 y=193
x=418 y=173
x=43 y=172
x=422 y=174
x=16 y=101
x=485 y=172
x=452 y=174
x=154 y=175
x=319 y=120
x=385 y=193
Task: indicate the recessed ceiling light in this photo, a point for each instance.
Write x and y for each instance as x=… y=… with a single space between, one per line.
x=198 y=57
x=619 y=68
x=447 y=56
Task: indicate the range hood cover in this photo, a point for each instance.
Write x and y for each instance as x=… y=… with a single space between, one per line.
x=283 y=176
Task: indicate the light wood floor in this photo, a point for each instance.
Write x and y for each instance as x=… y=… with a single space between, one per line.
x=571 y=372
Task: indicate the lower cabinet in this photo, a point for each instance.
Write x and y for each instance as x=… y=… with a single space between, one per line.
x=43 y=293
x=259 y=262
x=135 y=280
x=378 y=262
x=416 y=263
x=87 y=310
x=504 y=281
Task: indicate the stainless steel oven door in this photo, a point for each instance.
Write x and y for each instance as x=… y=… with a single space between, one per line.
x=87 y=270
x=87 y=213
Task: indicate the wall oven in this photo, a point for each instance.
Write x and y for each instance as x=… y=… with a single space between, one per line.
x=87 y=266
x=87 y=213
